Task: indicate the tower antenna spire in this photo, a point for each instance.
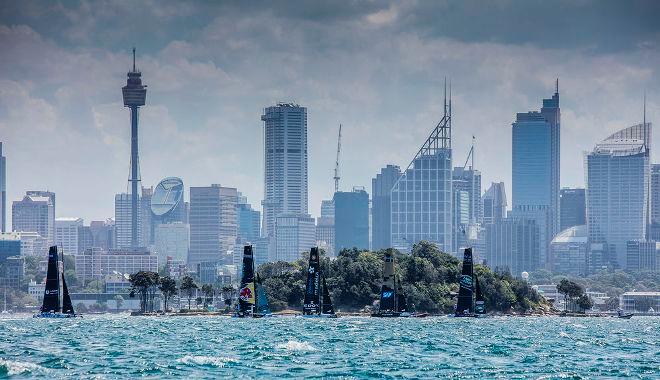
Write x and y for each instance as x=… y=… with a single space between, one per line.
x=445 y=110
x=133 y=59
x=644 y=108
x=557 y=86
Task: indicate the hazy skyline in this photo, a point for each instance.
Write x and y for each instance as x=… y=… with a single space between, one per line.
x=375 y=67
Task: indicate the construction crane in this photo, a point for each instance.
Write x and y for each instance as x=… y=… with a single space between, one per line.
x=337 y=161
x=470 y=155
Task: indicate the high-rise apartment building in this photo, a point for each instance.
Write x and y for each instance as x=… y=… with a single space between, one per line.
x=351 y=220
x=35 y=213
x=213 y=224
x=66 y=234
x=295 y=234
x=327 y=209
x=642 y=255
x=3 y=191
x=617 y=175
x=381 y=206
x=285 y=154
x=172 y=240
x=535 y=176
x=573 y=208
x=421 y=197
x=96 y=263
x=494 y=203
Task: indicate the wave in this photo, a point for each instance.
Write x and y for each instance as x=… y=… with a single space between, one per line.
x=205 y=360
x=293 y=345
x=12 y=368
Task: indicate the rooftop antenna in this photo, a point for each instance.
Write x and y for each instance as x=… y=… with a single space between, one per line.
x=557 y=86
x=133 y=59
x=445 y=110
x=644 y=108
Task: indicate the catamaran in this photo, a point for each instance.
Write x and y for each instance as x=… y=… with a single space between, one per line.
x=392 y=299
x=317 y=297
x=470 y=299
x=252 y=300
x=55 y=306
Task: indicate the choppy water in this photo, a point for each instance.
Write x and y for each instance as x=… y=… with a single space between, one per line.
x=212 y=347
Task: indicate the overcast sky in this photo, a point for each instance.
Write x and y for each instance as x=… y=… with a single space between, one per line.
x=374 y=66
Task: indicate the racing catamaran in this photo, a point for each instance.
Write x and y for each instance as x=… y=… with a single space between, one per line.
x=317 y=297
x=53 y=305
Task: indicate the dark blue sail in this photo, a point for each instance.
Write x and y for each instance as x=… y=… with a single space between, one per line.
x=326 y=301
x=312 y=302
x=67 y=306
x=387 y=292
x=52 y=289
x=465 y=304
x=479 y=302
x=246 y=293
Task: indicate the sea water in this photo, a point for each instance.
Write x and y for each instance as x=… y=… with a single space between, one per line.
x=120 y=346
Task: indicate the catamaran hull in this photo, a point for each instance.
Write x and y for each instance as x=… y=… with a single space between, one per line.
x=56 y=315
x=320 y=316
x=391 y=315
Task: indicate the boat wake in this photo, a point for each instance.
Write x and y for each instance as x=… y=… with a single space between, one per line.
x=293 y=345
x=13 y=368
x=205 y=360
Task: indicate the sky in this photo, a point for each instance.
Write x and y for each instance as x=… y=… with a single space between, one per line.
x=377 y=67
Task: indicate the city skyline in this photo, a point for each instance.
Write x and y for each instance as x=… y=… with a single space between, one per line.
x=64 y=129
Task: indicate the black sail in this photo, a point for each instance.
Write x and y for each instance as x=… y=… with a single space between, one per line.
x=479 y=304
x=326 y=303
x=401 y=302
x=387 y=293
x=246 y=295
x=465 y=303
x=52 y=288
x=312 y=303
x=67 y=306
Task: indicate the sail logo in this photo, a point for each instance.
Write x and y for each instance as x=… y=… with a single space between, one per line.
x=311 y=270
x=53 y=291
x=466 y=281
x=388 y=294
x=246 y=294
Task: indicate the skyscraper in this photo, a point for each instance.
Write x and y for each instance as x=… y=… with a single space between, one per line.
x=351 y=220
x=617 y=175
x=573 y=208
x=134 y=94
x=535 y=162
x=295 y=234
x=421 y=197
x=512 y=244
x=213 y=224
x=494 y=203
x=35 y=213
x=285 y=154
x=381 y=206
x=124 y=221
x=654 y=233
x=3 y=191
x=249 y=221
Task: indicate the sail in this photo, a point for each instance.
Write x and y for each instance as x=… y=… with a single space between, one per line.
x=262 y=306
x=67 y=306
x=246 y=296
x=387 y=296
x=479 y=304
x=312 y=303
x=326 y=302
x=465 y=303
x=401 y=302
x=52 y=288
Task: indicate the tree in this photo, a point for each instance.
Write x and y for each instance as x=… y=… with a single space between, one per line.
x=188 y=286
x=612 y=303
x=70 y=277
x=119 y=301
x=145 y=284
x=571 y=291
x=167 y=289
x=209 y=292
x=228 y=292
x=584 y=302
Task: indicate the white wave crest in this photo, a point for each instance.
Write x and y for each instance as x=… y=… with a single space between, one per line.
x=205 y=360
x=13 y=368
x=293 y=345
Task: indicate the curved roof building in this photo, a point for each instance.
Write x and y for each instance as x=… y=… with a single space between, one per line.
x=617 y=175
x=568 y=251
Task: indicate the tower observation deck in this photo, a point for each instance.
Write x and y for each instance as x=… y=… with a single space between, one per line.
x=134 y=94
